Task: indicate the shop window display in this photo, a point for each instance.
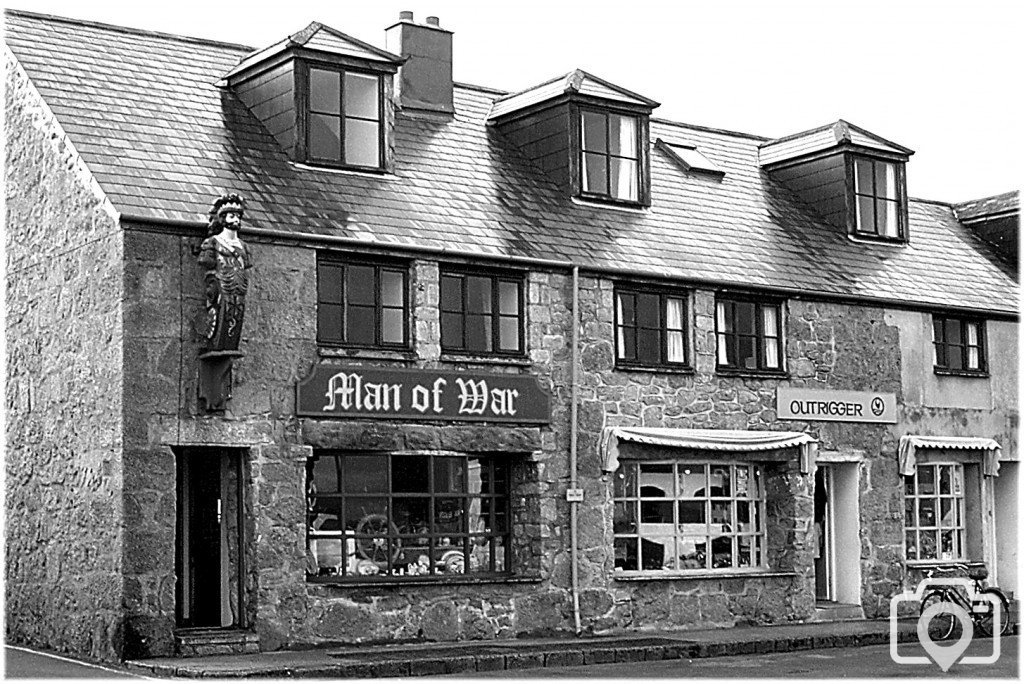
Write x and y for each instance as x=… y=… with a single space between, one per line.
x=678 y=517
x=399 y=515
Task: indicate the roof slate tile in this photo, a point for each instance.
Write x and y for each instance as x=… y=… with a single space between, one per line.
x=145 y=114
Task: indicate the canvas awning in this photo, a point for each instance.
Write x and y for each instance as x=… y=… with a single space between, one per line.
x=909 y=444
x=743 y=441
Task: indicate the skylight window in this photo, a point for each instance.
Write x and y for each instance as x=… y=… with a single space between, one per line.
x=689 y=157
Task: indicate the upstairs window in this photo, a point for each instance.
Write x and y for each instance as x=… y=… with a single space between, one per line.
x=878 y=198
x=362 y=304
x=482 y=313
x=749 y=335
x=343 y=119
x=650 y=328
x=959 y=345
x=609 y=156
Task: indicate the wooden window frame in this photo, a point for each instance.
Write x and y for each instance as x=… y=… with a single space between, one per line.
x=396 y=538
x=942 y=348
x=902 y=210
x=663 y=294
x=325 y=259
x=303 y=108
x=576 y=111
x=495 y=315
x=758 y=520
x=912 y=527
x=759 y=337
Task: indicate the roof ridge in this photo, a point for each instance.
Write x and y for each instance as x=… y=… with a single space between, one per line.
x=126 y=29
x=708 y=129
x=474 y=86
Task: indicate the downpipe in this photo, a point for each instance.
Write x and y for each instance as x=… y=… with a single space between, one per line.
x=573 y=427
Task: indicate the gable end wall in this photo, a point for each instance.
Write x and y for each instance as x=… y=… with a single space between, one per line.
x=64 y=407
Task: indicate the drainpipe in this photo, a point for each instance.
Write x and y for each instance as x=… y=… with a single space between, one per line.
x=573 y=495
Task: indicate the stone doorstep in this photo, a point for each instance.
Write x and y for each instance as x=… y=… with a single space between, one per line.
x=208 y=642
x=440 y=660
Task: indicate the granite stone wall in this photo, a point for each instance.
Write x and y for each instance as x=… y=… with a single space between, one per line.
x=828 y=346
x=64 y=404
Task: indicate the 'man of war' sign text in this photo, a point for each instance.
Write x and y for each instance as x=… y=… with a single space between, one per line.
x=342 y=391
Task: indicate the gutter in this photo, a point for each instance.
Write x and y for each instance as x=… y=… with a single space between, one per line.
x=177 y=226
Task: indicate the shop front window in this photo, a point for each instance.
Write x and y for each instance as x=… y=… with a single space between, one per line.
x=400 y=516
x=675 y=517
x=934 y=513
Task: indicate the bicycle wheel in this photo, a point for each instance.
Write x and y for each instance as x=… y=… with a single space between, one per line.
x=942 y=624
x=984 y=620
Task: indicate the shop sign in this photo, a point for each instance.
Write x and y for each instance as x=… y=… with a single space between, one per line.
x=408 y=394
x=835 y=406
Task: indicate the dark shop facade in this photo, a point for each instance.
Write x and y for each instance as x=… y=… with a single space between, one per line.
x=311 y=345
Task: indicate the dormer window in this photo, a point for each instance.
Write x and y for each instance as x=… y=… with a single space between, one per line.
x=589 y=136
x=610 y=158
x=878 y=198
x=343 y=124
x=852 y=179
x=324 y=96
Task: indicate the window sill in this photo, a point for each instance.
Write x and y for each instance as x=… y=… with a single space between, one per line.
x=749 y=373
x=596 y=203
x=677 y=370
x=641 y=576
x=376 y=354
x=363 y=171
x=937 y=564
x=870 y=239
x=962 y=373
x=459 y=357
x=399 y=582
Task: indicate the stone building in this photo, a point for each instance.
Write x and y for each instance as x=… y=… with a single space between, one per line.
x=511 y=363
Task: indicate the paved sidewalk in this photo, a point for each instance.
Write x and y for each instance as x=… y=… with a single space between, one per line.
x=491 y=656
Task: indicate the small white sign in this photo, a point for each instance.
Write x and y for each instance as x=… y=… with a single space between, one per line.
x=574 y=495
x=835 y=406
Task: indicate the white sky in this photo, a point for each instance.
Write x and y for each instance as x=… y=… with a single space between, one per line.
x=942 y=78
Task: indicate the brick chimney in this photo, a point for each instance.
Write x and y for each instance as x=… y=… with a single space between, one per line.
x=424 y=84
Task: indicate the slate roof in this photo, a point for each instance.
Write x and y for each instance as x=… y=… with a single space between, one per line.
x=989 y=207
x=824 y=138
x=162 y=140
x=577 y=81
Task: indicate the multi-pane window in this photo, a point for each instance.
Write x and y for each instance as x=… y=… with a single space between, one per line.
x=678 y=516
x=610 y=156
x=934 y=513
x=362 y=304
x=876 y=191
x=403 y=515
x=344 y=118
x=650 y=328
x=749 y=335
x=959 y=344
x=481 y=313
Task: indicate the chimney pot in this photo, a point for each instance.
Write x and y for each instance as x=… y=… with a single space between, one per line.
x=433 y=21
x=405 y=16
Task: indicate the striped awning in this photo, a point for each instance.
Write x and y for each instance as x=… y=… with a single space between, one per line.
x=743 y=441
x=988 y=448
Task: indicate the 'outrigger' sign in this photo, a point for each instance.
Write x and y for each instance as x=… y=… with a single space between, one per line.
x=341 y=391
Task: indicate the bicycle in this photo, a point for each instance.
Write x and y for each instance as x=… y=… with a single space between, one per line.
x=943 y=624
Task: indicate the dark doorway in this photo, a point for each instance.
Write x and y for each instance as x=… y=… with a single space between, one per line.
x=210 y=538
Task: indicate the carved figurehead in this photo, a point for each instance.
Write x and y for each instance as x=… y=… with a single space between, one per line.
x=227 y=262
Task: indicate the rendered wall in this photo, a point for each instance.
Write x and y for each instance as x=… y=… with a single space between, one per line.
x=64 y=419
